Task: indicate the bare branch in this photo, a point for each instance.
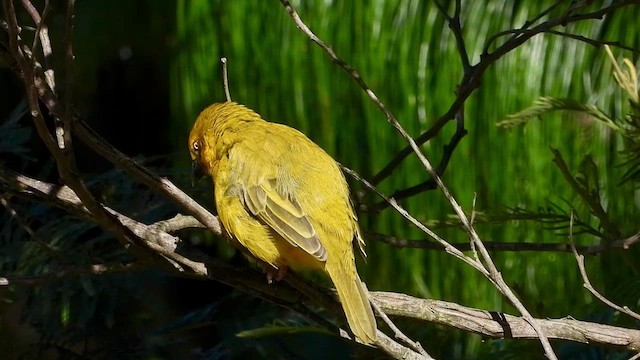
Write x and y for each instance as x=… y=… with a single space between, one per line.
x=178 y=222
x=592 y=42
x=430 y=184
x=456 y=29
x=447 y=246
x=498 y=325
x=592 y=290
x=42 y=37
x=396 y=350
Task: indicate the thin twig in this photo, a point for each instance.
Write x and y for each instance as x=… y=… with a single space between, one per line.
x=430 y=184
x=42 y=37
x=472 y=244
x=446 y=245
x=225 y=78
x=456 y=29
x=527 y=25
x=587 y=282
x=592 y=42
x=338 y=61
x=178 y=222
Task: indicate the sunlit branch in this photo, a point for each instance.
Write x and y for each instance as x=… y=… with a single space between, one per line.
x=416 y=346
x=42 y=37
x=498 y=325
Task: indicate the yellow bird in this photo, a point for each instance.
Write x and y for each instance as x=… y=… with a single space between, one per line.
x=284 y=199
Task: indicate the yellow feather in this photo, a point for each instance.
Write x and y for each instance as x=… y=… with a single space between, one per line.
x=284 y=199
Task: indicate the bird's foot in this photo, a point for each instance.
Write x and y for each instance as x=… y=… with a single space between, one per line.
x=276 y=275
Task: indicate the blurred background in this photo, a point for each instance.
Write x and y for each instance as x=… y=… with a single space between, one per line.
x=144 y=69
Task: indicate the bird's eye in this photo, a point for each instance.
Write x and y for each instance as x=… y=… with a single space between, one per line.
x=196 y=146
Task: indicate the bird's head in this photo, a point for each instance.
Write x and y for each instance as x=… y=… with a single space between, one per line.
x=202 y=143
x=212 y=133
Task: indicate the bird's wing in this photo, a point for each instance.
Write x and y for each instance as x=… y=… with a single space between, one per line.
x=285 y=216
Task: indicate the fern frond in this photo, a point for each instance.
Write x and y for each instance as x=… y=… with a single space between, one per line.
x=547 y=104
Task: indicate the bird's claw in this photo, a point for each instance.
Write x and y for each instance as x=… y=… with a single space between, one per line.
x=276 y=275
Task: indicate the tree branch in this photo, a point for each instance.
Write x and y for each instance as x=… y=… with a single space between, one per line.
x=498 y=325
x=592 y=290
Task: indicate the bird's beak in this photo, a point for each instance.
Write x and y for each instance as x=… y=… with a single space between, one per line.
x=196 y=172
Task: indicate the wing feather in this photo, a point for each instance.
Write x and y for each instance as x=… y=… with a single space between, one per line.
x=285 y=216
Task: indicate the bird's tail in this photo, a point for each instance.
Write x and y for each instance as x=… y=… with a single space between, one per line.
x=354 y=298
